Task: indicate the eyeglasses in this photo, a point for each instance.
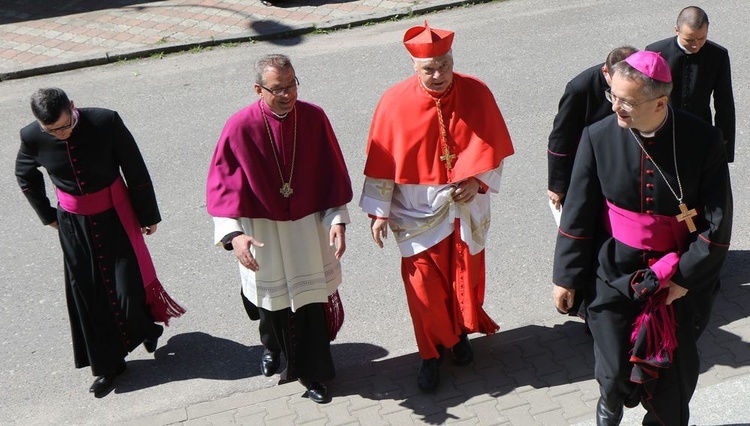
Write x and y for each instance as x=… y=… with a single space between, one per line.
x=283 y=90
x=61 y=128
x=625 y=105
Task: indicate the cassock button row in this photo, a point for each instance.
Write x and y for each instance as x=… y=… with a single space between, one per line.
x=650 y=185
x=648 y=157
x=649 y=199
x=649 y=212
x=649 y=172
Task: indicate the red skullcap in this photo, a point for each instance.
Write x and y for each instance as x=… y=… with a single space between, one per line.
x=651 y=64
x=426 y=42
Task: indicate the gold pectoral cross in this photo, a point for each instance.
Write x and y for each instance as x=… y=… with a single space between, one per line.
x=687 y=217
x=447 y=157
x=286 y=189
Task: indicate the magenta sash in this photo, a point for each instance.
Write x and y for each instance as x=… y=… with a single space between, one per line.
x=649 y=232
x=116 y=196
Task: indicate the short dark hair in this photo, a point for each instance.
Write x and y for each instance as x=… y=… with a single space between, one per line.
x=275 y=61
x=651 y=88
x=48 y=104
x=618 y=54
x=692 y=16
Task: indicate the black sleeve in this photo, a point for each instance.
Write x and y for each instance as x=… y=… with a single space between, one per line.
x=563 y=140
x=136 y=174
x=227 y=240
x=575 y=249
x=31 y=181
x=725 y=118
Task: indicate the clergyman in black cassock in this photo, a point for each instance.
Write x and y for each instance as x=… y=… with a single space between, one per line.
x=700 y=69
x=581 y=104
x=627 y=161
x=84 y=151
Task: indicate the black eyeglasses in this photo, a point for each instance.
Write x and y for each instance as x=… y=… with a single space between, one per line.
x=61 y=128
x=283 y=90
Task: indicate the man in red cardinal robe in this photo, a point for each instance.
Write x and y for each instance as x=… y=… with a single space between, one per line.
x=435 y=150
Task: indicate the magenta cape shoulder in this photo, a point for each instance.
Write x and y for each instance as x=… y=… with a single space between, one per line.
x=244 y=181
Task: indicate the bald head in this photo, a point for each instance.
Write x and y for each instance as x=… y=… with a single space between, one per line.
x=693 y=17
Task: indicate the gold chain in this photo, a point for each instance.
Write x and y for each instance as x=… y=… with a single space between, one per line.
x=286 y=187
x=447 y=156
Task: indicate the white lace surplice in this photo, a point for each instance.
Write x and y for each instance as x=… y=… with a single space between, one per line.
x=421 y=216
x=297 y=265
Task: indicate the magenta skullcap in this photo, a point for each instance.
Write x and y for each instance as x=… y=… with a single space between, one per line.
x=651 y=64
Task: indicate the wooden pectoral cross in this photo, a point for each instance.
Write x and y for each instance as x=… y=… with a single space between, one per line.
x=447 y=157
x=687 y=217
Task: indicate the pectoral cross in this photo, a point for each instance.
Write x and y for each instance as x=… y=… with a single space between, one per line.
x=687 y=216
x=286 y=189
x=447 y=157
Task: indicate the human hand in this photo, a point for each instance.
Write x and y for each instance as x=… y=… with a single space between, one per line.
x=675 y=292
x=241 y=246
x=379 y=229
x=466 y=190
x=337 y=236
x=53 y=224
x=148 y=230
x=556 y=198
x=564 y=298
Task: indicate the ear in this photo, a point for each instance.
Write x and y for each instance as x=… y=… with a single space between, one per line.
x=676 y=30
x=258 y=89
x=662 y=103
x=72 y=105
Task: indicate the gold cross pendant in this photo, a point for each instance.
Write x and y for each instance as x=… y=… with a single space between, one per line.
x=286 y=189
x=447 y=157
x=687 y=217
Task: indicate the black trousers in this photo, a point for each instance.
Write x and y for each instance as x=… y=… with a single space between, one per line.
x=302 y=336
x=610 y=317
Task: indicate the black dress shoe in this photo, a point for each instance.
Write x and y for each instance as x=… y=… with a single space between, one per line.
x=316 y=391
x=428 y=377
x=606 y=416
x=150 y=345
x=103 y=385
x=269 y=363
x=463 y=353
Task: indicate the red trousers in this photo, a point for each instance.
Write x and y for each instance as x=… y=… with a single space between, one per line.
x=445 y=291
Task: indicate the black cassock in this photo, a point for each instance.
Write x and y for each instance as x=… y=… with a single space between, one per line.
x=610 y=166
x=103 y=285
x=581 y=104
x=695 y=78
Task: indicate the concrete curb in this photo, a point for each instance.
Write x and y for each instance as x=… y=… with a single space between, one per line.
x=274 y=31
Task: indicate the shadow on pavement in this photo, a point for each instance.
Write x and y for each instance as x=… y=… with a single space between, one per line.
x=540 y=357
x=31 y=10
x=718 y=345
x=531 y=356
x=191 y=356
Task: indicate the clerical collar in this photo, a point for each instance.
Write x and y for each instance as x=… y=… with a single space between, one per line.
x=653 y=134
x=683 y=48
x=279 y=116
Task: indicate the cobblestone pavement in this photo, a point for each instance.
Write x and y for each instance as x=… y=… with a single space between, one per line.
x=536 y=374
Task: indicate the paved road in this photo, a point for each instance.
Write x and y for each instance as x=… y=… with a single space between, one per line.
x=537 y=370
